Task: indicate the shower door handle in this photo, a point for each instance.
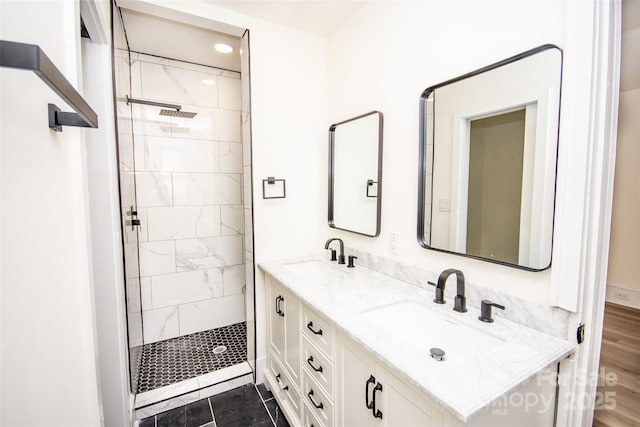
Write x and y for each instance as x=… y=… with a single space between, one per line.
x=134 y=221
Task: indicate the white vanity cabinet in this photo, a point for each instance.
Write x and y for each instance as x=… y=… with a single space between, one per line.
x=322 y=377
x=327 y=386
x=369 y=395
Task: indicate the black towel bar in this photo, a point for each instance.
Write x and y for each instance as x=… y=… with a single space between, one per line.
x=30 y=57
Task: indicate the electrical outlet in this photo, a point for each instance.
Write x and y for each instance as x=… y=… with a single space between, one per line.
x=393 y=245
x=621 y=295
x=444 y=205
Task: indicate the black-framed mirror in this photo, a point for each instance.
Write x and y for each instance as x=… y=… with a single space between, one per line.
x=355 y=174
x=488 y=155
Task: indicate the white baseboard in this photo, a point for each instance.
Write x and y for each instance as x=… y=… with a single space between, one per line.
x=623 y=294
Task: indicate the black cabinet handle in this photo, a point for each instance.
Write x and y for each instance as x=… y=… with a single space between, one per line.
x=310 y=327
x=309 y=360
x=376 y=412
x=279 y=299
x=367 y=403
x=310 y=396
x=280 y=382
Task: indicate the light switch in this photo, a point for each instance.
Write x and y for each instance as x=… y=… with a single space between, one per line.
x=445 y=205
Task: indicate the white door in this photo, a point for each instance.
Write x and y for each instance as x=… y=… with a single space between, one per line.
x=354 y=394
x=275 y=309
x=403 y=407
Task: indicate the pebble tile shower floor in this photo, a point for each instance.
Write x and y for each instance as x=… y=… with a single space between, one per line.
x=178 y=359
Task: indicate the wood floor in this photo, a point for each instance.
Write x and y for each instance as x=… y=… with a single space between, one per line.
x=619 y=382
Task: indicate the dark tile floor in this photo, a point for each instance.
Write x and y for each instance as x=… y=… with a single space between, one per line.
x=246 y=406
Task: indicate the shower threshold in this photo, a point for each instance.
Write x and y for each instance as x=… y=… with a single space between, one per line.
x=191 y=390
x=192 y=362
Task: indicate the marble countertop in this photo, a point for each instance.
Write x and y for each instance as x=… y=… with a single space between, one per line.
x=465 y=384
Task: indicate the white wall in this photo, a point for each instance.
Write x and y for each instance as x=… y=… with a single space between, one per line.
x=48 y=329
x=623 y=281
x=289 y=133
x=383 y=57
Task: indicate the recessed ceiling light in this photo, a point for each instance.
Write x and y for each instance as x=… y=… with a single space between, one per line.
x=223 y=48
x=209 y=82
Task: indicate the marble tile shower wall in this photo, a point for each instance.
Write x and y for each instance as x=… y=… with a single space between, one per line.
x=190 y=199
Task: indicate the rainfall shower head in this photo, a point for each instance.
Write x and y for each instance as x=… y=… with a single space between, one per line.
x=178 y=113
x=165 y=112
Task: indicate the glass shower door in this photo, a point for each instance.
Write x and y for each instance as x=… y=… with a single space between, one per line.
x=128 y=203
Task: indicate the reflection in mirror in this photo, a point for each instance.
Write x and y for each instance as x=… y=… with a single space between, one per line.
x=488 y=149
x=355 y=174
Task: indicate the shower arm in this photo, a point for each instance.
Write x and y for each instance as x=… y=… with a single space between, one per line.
x=156 y=104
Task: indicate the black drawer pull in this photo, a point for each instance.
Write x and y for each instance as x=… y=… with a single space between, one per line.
x=367 y=403
x=310 y=327
x=309 y=360
x=280 y=383
x=317 y=405
x=376 y=412
x=279 y=299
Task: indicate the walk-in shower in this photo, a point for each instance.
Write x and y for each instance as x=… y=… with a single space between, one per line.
x=186 y=214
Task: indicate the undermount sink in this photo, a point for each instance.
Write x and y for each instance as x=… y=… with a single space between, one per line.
x=316 y=271
x=423 y=328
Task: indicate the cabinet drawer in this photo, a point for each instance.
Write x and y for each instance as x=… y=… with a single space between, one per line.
x=316 y=400
x=318 y=366
x=285 y=390
x=309 y=418
x=318 y=330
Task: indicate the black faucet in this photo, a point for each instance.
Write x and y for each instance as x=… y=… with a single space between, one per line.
x=460 y=303
x=341 y=256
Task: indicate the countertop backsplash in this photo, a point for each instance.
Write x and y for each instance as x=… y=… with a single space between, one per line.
x=551 y=320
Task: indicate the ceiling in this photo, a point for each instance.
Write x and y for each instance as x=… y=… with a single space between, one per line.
x=319 y=17
x=161 y=37
x=158 y=36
